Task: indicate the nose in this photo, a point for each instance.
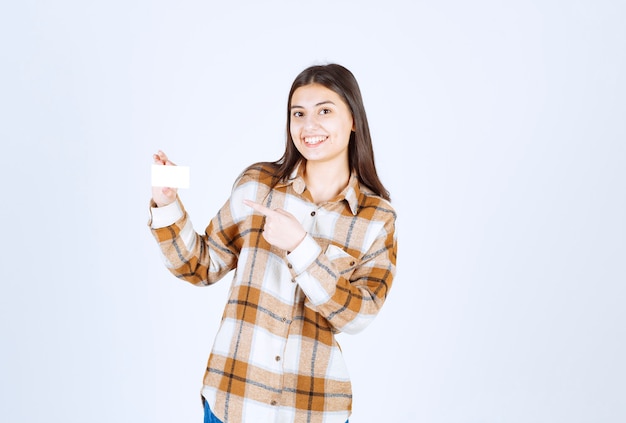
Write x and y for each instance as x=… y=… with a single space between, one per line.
x=310 y=121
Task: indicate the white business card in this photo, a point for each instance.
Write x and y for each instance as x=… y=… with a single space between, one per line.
x=170 y=176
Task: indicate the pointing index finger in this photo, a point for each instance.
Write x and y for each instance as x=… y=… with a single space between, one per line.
x=259 y=207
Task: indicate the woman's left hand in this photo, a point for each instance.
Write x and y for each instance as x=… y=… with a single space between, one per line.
x=282 y=229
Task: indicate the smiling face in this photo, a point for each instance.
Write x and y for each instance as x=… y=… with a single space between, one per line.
x=320 y=125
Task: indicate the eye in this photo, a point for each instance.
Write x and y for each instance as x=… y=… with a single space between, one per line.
x=325 y=111
x=298 y=114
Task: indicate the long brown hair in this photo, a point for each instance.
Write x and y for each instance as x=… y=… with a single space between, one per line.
x=360 y=152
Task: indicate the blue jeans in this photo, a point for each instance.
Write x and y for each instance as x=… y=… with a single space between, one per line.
x=209 y=417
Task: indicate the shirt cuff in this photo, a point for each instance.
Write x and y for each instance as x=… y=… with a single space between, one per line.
x=166 y=215
x=304 y=254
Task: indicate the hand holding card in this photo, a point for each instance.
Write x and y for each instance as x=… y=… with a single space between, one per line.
x=166 y=178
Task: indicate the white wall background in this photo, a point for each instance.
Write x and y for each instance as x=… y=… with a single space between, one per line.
x=499 y=128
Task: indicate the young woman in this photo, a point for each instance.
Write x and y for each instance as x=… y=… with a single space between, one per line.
x=312 y=240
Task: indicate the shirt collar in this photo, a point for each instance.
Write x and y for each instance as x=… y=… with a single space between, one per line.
x=350 y=193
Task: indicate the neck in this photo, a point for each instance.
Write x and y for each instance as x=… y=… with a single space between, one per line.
x=323 y=183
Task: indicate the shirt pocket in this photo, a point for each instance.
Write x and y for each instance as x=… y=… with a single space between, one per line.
x=343 y=262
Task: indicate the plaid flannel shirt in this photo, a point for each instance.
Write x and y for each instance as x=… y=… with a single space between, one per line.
x=275 y=357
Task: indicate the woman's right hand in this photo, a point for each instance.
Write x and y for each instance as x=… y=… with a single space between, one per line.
x=162 y=196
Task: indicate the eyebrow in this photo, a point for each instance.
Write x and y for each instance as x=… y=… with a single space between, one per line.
x=295 y=106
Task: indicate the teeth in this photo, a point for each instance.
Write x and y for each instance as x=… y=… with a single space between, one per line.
x=314 y=140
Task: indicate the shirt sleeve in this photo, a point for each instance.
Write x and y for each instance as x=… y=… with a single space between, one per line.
x=346 y=290
x=165 y=215
x=200 y=259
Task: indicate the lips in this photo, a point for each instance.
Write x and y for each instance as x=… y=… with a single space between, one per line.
x=315 y=139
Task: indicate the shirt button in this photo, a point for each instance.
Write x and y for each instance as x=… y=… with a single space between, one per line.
x=284 y=319
x=274 y=402
x=313 y=213
x=290 y=266
x=277 y=358
x=293 y=280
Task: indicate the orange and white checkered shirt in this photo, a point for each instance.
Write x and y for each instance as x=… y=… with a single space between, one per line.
x=275 y=357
